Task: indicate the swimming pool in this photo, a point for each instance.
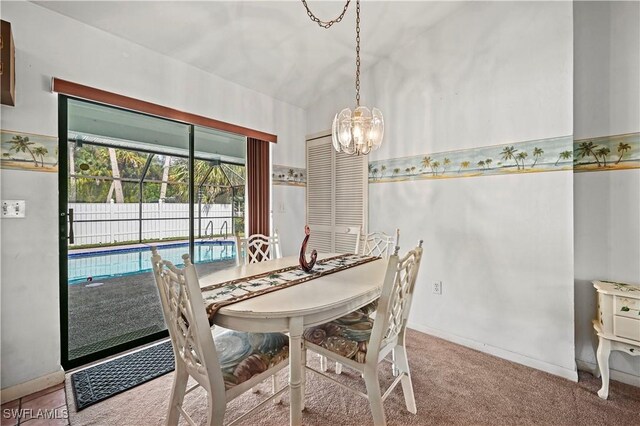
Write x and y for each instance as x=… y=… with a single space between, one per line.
x=134 y=260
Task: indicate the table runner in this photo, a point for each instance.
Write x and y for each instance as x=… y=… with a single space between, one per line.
x=222 y=294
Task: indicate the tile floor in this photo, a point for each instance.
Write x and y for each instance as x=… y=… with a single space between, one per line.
x=46 y=407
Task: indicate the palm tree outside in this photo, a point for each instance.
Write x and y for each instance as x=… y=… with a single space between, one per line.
x=622 y=149
x=165 y=177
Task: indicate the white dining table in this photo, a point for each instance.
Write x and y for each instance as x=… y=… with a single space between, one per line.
x=295 y=308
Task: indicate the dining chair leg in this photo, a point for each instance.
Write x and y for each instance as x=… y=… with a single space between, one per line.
x=180 y=379
x=394 y=367
x=275 y=387
x=374 y=395
x=217 y=408
x=407 y=385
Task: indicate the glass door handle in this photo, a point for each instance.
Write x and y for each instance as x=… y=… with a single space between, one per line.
x=71 y=237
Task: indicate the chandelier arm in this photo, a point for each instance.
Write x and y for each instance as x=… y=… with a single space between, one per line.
x=326 y=24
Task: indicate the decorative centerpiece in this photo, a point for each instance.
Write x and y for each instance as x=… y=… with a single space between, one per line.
x=307 y=266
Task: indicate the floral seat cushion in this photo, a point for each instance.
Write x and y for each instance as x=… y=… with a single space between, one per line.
x=347 y=336
x=244 y=355
x=369 y=308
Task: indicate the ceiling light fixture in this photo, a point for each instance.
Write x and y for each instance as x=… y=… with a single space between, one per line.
x=360 y=131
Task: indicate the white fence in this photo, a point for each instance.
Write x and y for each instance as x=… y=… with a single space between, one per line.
x=114 y=222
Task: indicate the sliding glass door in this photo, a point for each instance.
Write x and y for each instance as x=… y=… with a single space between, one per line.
x=129 y=181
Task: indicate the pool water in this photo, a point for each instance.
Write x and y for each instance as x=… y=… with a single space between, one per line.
x=126 y=261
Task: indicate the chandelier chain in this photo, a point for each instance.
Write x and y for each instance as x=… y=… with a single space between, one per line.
x=357 y=52
x=326 y=24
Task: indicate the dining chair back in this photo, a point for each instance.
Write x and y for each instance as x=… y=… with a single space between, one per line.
x=372 y=244
x=366 y=342
x=376 y=243
x=194 y=349
x=257 y=248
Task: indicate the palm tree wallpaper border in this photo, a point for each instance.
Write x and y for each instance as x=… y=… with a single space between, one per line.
x=605 y=153
x=286 y=175
x=27 y=151
x=544 y=155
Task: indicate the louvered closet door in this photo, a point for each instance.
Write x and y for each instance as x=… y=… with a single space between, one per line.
x=336 y=197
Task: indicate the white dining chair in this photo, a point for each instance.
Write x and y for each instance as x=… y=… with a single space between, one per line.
x=371 y=244
x=376 y=243
x=362 y=343
x=257 y=248
x=225 y=366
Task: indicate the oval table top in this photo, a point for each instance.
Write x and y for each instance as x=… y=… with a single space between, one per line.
x=347 y=290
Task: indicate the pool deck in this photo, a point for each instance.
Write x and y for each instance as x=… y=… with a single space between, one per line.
x=118 y=309
x=108 y=247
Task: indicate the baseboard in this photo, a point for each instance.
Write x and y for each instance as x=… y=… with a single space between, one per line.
x=556 y=370
x=618 y=376
x=32 y=386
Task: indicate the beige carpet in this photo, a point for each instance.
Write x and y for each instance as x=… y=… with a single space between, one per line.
x=453 y=385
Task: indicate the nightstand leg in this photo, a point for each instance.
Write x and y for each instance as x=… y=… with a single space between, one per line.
x=594 y=344
x=604 y=349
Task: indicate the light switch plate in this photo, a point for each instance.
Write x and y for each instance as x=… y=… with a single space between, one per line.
x=13 y=209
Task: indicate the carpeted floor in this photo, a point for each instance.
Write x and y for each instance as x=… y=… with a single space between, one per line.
x=453 y=385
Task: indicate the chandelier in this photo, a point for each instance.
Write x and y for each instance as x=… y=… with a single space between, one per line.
x=360 y=131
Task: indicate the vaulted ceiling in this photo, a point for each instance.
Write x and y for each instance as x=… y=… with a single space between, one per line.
x=269 y=46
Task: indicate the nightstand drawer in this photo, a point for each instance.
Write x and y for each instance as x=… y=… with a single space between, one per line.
x=629 y=328
x=626 y=307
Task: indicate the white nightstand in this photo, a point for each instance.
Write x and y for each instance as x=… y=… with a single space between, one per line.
x=617 y=324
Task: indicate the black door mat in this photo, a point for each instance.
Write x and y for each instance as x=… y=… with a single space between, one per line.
x=105 y=380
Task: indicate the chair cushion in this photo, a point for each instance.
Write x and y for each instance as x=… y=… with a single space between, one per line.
x=243 y=355
x=369 y=308
x=348 y=336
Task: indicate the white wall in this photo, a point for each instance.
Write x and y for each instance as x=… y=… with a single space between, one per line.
x=503 y=246
x=607 y=204
x=48 y=45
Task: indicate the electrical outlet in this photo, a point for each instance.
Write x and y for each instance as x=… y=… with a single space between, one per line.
x=437 y=287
